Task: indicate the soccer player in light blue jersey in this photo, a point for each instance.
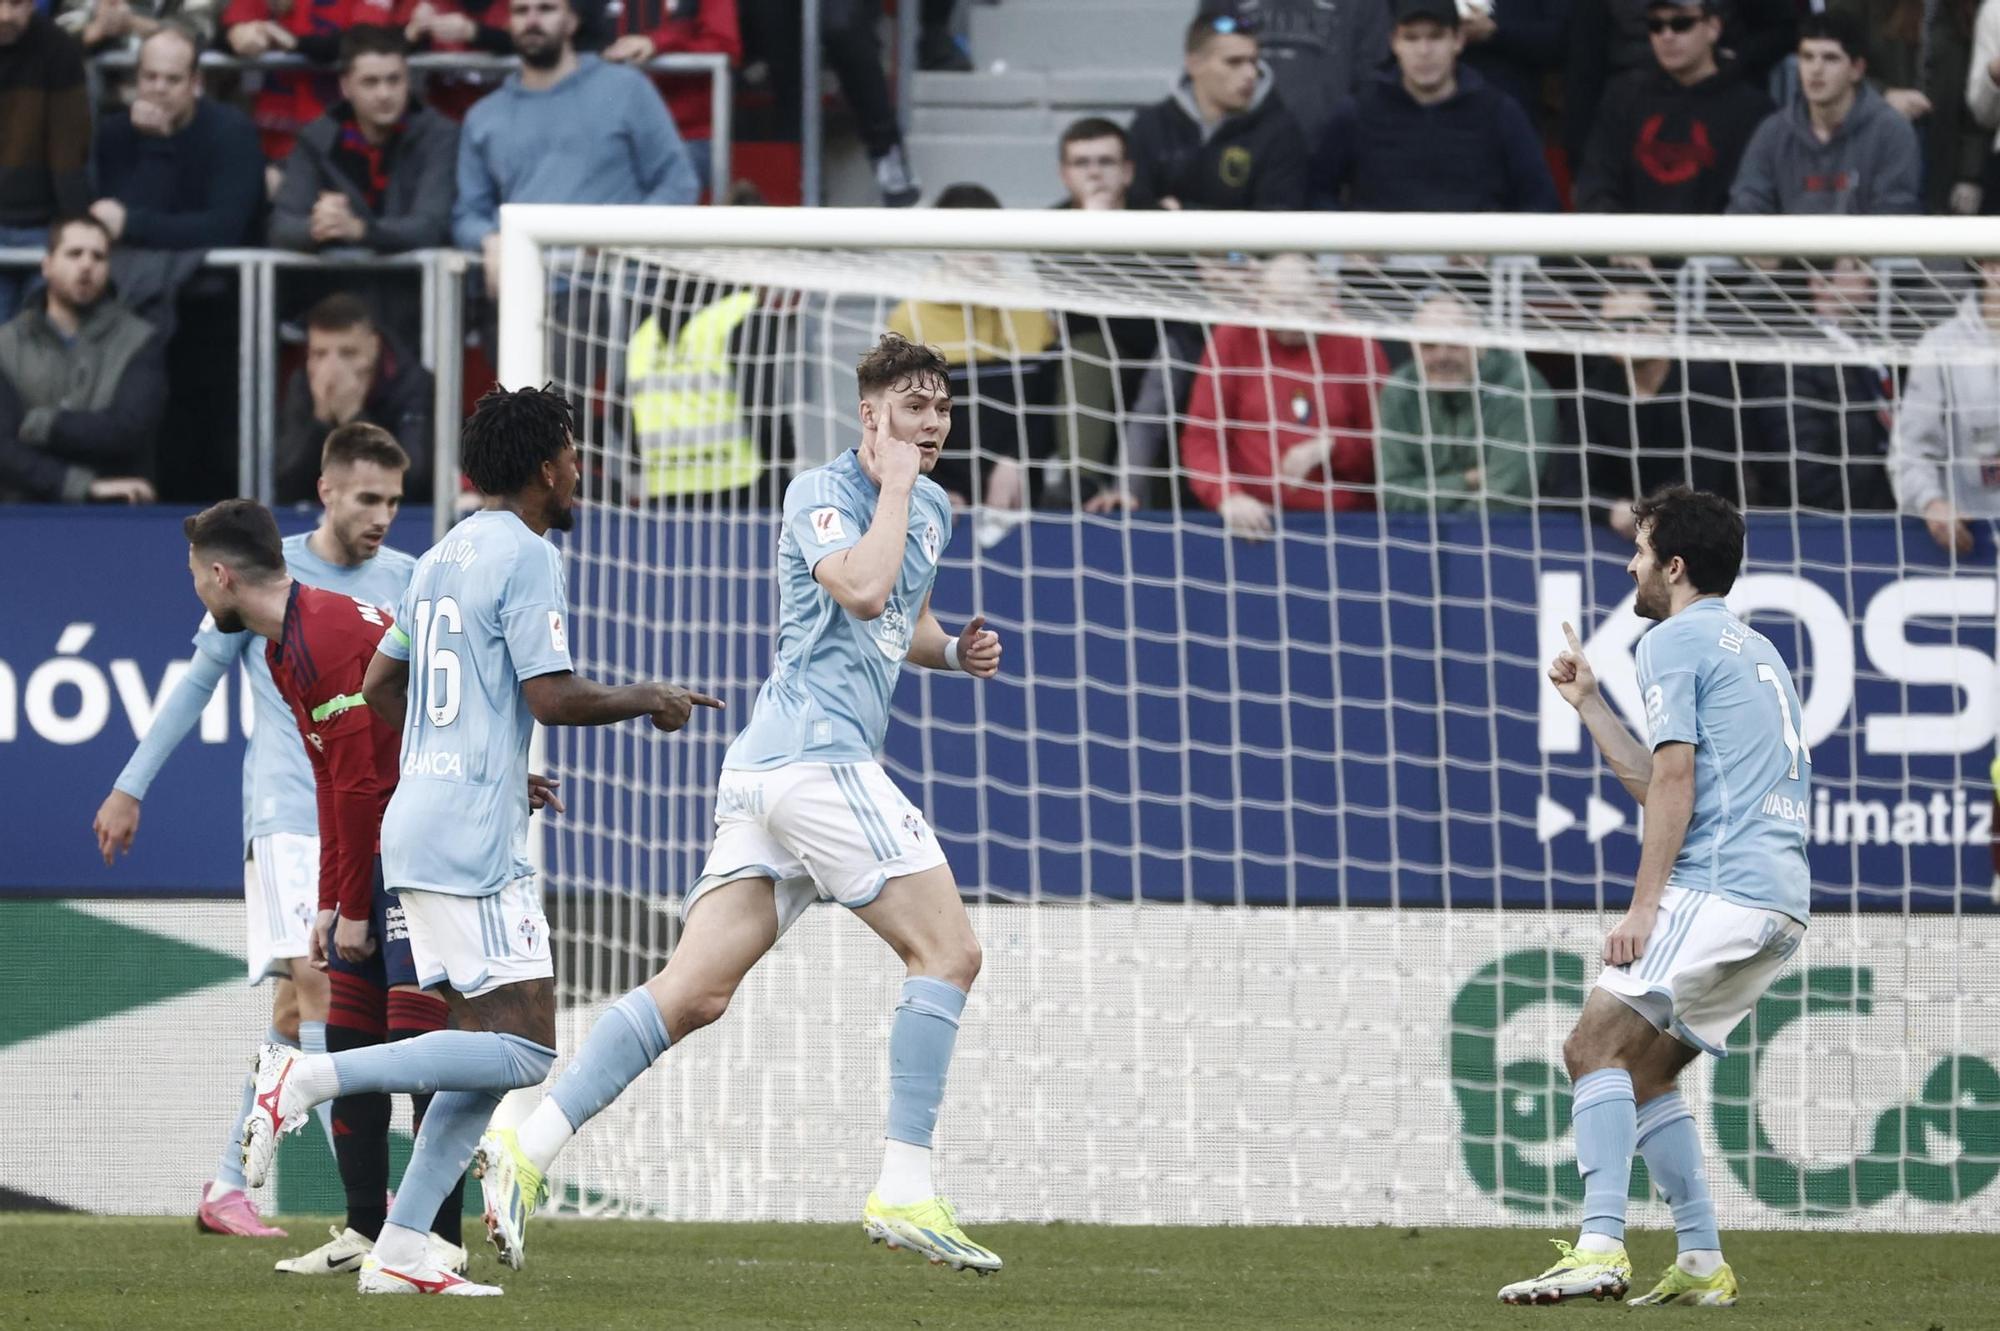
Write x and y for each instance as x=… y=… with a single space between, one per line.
x=361 y=486
x=806 y=812
x=1719 y=904
x=478 y=654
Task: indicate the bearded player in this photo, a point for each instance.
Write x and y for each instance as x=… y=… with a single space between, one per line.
x=1720 y=902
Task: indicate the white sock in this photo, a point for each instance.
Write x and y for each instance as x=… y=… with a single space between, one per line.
x=312 y=1080
x=545 y=1132
x=402 y=1249
x=1700 y=1262
x=218 y=1189
x=1597 y=1243
x=906 y=1174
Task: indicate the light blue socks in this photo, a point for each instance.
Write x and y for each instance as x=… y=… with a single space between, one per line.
x=1671 y=1145
x=312 y=1040
x=445 y=1143
x=1607 y=1129
x=626 y=1041
x=920 y=1044
x=443 y=1061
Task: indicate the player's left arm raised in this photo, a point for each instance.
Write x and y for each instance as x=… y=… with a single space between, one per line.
x=976 y=649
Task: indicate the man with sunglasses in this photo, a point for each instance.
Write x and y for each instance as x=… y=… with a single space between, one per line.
x=1668 y=139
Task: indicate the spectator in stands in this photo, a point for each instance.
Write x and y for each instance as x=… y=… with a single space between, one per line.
x=1982 y=98
x=1001 y=377
x=1644 y=421
x=1320 y=53
x=352 y=373
x=1612 y=39
x=377 y=170
x=1282 y=417
x=1840 y=148
x=1462 y=429
x=1433 y=136
x=647 y=28
x=566 y=128
x=1919 y=54
x=106 y=25
x=1668 y=138
x=289 y=100
x=1827 y=417
x=1222 y=140
x=1106 y=358
x=1516 y=45
x=44 y=136
x=851 y=44
x=1944 y=454
x=179 y=171
x=82 y=382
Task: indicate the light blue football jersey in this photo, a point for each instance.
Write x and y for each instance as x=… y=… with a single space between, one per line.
x=827 y=699
x=486 y=610
x=1710 y=680
x=277 y=778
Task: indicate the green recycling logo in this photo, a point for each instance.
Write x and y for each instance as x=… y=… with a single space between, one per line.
x=1944 y=1148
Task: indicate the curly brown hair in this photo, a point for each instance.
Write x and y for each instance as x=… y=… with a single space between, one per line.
x=897 y=360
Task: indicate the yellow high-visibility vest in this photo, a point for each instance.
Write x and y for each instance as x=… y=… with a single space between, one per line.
x=686 y=420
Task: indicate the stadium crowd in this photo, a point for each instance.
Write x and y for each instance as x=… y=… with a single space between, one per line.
x=1655 y=106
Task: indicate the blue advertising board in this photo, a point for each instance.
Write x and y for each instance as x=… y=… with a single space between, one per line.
x=1353 y=714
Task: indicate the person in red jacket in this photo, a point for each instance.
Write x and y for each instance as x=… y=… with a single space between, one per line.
x=1282 y=418
x=646 y=28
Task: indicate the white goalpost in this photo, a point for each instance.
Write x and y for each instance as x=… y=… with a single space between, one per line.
x=1289 y=867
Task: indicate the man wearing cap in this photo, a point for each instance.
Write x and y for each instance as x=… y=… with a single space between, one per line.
x=1223 y=139
x=1432 y=135
x=1669 y=139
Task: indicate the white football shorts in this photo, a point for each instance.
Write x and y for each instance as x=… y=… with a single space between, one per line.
x=819 y=831
x=280 y=899
x=1707 y=963
x=478 y=944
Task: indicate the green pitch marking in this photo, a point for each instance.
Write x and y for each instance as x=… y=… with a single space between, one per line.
x=122 y=1275
x=68 y=968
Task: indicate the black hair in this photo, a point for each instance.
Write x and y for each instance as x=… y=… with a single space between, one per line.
x=1090 y=129
x=1835 y=28
x=509 y=435
x=1703 y=529
x=338 y=313
x=371 y=39
x=241 y=533
x=966 y=195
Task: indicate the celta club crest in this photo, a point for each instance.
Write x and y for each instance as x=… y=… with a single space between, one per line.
x=913 y=825
x=932 y=539
x=529 y=931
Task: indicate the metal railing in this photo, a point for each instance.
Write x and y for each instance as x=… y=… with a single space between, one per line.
x=714 y=65
x=441 y=275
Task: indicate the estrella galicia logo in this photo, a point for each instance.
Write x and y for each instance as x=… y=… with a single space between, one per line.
x=1943 y=1148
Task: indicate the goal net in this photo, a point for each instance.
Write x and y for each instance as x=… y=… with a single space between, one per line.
x=1290 y=868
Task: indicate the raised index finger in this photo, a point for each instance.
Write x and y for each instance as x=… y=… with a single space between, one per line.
x=1570 y=634
x=703 y=700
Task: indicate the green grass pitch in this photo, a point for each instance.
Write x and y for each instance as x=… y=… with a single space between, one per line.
x=159 y=1275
